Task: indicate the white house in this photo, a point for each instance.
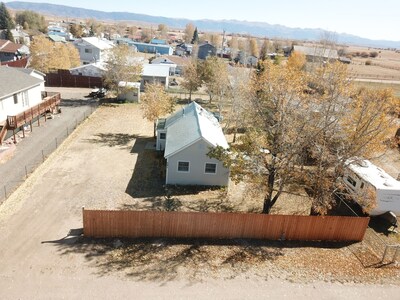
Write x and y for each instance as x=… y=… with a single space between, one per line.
x=155 y=73
x=176 y=63
x=96 y=69
x=186 y=137
x=92 y=49
x=20 y=89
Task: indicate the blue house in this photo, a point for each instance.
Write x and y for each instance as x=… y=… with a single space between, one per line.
x=152 y=48
x=206 y=50
x=158 y=42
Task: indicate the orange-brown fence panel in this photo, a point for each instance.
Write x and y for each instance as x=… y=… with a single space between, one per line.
x=138 y=224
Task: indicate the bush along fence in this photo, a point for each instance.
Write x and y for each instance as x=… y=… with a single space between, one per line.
x=7 y=187
x=140 y=224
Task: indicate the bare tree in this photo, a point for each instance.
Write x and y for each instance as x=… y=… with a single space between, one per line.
x=189 y=30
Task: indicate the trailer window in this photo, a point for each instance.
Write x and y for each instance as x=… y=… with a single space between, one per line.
x=362 y=185
x=351 y=181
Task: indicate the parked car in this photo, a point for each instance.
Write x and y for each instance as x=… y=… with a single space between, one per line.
x=97 y=93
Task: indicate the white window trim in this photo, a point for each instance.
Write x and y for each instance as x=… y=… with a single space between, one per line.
x=177 y=166
x=216 y=166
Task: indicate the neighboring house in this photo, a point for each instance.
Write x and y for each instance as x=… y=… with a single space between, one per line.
x=60 y=31
x=20 y=89
x=184 y=49
x=92 y=49
x=155 y=74
x=317 y=53
x=158 y=42
x=95 y=70
x=129 y=91
x=126 y=41
x=246 y=60
x=151 y=48
x=206 y=50
x=20 y=36
x=10 y=51
x=176 y=63
x=186 y=137
x=56 y=38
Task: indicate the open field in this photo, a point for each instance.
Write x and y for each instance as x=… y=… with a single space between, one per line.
x=385 y=66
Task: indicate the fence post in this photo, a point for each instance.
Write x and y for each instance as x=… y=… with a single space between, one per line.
x=26 y=172
x=56 y=143
x=5 y=192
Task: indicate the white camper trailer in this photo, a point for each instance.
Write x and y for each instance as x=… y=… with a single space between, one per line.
x=362 y=177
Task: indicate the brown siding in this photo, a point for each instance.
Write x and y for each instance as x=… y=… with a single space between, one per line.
x=134 y=224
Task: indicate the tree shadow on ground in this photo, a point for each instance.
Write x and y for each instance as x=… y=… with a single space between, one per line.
x=114 y=139
x=162 y=260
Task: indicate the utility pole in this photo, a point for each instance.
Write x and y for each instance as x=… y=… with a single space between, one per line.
x=223 y=43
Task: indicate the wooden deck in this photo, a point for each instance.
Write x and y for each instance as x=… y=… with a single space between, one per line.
x=49 y=104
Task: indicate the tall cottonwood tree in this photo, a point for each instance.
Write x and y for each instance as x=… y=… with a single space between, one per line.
x=192 y=77
x=156 y=102
x=188 y=32
x=214 y=75
x=47 y=56
x=303 y=137
x=121 y=65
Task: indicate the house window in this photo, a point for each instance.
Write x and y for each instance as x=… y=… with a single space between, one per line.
x=88 y=50
x=162 y=136
x=15 y=99
x=183 y=166
x=25 y=99
x=210 y=168
x=351 y=181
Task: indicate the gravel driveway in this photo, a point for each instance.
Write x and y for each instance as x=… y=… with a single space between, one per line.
x=42 y=141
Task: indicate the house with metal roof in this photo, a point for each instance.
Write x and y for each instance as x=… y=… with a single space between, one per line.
x=158 y=42
x=92 y=49
x=155 y=73
x=153 y=48
x=186 y=137
x=317 y=53
x=176 y=63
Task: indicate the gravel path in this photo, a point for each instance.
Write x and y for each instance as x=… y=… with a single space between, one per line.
x=42 y=141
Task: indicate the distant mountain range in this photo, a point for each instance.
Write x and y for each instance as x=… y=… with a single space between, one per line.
x=261 y=29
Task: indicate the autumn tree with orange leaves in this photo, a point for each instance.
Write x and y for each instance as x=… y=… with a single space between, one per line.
x=302 y=127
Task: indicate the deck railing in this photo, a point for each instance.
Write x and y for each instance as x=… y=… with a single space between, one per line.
x=48 y=104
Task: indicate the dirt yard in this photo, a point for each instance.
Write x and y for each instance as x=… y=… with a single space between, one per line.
x=105 y=164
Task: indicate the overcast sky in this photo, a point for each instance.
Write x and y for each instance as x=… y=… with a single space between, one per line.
x=365 y=18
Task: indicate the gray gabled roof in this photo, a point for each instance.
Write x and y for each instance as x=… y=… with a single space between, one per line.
x=317 y=51
x=14 y=80
x=190 y=124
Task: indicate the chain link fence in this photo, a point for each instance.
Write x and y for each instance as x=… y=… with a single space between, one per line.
x=38 y=157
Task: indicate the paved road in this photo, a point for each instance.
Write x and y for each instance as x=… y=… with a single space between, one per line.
x=28 y=152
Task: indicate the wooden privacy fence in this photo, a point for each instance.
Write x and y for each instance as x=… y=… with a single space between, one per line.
x=138 y=224
x=63 y=78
